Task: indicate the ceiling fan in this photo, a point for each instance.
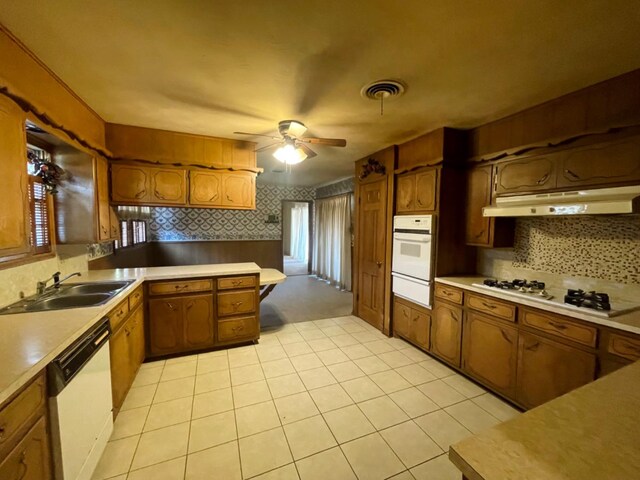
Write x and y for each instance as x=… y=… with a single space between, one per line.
x=292 y=144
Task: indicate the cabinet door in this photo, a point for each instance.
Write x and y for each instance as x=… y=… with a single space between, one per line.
x=114 y=224
x=426 y=191
x=169 y=186
x=30 y=459
x=205 y=189
x=119 y=351
x=547 y=369
x=198 y=321
x=490 y=352
x=420 y=329
x=401 y=319
x=130 y=184
x=405 y=193
x=238 y=190
x=446 y=333
x=527 y=175
x=102 y=194
x=136 y=339
x=14 y=219
x=479 y=185
x=165 y=325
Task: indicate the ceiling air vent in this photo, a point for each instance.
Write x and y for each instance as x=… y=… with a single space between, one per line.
x=382 y=90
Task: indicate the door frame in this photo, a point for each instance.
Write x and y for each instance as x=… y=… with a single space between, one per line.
x=311 y=232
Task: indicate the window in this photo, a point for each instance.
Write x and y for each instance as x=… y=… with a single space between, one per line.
x=39 y=205
x=132 y=232
x=139 y=230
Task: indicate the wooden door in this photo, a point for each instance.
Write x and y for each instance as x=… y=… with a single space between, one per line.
x=372 y=232
x=130 y=184
x=14 y=218
x=426 y=190
x=490 y=352
x=198 y=321
x=479 y=185
x=405 y=193
x=420 y=328
x=30 y=459
x=102 y=194
x=548 y=369
x=446 y=333
x=238 y=190
x=205 y=189
x=527 y=175
x=165 y=325
x=119 y=351
x=401 y=319
x=169 y=186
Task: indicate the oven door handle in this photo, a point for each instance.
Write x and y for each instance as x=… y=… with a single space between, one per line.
x=411 y=279
x=412 y=237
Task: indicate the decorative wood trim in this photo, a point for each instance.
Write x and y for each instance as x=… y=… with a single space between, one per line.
x=256 y=170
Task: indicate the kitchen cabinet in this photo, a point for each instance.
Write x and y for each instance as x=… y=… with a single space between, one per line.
x=205 y=189
x=548 y=369
x=446 y=332
x=417 y=191
x=526 y=175
x=15 y=231
x=30 y=459
x=105 y=218
x=168 y=187
x=144 y=185
x=198 y=321
x=222 y=189
x=411 y=322
x=490 y=352
x=238 y=190
x=237 y=305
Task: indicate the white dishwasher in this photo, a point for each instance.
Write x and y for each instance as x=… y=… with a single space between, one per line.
x=80 y=404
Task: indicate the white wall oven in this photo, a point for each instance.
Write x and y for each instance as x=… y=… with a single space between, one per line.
x=413 y=257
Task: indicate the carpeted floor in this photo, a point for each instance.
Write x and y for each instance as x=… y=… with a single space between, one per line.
x=293 y=266
x=303 y=298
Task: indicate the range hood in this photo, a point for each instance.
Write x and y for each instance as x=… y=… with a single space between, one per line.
x=577 y=202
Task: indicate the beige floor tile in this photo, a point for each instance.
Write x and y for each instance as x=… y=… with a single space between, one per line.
x=321 y=344
x=171 y=470
x=139 y=397
x=216 y=380
x=154 y=364
x=285 y=385
x=256 y=418
x=464 y=386
x=416 y=355
x=382 y=412
x=441 y=393
x=213 y=430
x=406 y=475
x=344 y=340
x=161 y=445
x=496 y=407
x=251 y=393
x=371 y=365
x=178 y=370
x=317 y=377
x=332 y=356
x=116 y=458
x=215 y=353
x=212 y=364
x=325 y=323
x=246 y=374
x=330 y=464
x=181 y=359
x=312 y=334
x=300 y=326
x=218 y=463
x=168 y=413
x=333 y=331
x=368 y=336
x=371 y=458
x=348 y=423
x=288 y=472
x=306 y=362
x=295 y=349
x=380 y=346
x=308 y=436
x=361 y=389
x=148 y=377
x=277 y=368
x=389 y=381
x=211 y=403
x=172 y=389
x=439 y=468
x=413 y=402
x=263 y=452
x=395 y=359
x=295 y=407
x=345 y=371
x=290 y=338
x=242 y=358
x=443 y=428
x=472 y=416
x=410 y=443
x=353 y=328
x=330 y=397
x=415 y=374
x=399 y=343
x=355 y=352
x=269 y=353
x=437 y=369
x=268 y=339
x=129 y=422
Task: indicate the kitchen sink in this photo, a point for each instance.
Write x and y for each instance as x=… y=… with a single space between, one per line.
x=88 y=288
x=58 y=302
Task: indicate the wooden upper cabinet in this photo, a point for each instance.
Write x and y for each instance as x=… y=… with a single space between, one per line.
x=104 y=214
x=205 y=189
x=14 y=219
x=446 y=332
x=479 y=186
x=417 y=192
x=130 y=184
x=405 y=193
x=168 y=186
x=239 y=190
x=526 y=175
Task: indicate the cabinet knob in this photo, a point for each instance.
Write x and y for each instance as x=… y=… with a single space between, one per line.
x=559 y=326
x=543 y=179
x=572 y=175
x=23 y=466
x=379 y=264
x=141 y=193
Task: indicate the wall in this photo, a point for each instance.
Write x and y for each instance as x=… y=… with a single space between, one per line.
x=338 y=188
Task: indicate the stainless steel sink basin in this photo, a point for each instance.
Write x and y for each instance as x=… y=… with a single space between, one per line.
x=69 y=301
x=84 y=288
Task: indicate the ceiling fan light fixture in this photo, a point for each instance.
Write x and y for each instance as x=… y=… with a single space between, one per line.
x=290 y=154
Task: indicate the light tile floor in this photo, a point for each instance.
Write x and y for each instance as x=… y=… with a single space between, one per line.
x=324 y=399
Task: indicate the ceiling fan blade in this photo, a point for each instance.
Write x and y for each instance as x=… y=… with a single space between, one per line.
x=261 y=149
x=296 y=129
x=332 y=142
x=310 y=153
x=257 y=135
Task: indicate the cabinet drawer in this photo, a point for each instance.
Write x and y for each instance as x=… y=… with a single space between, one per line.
x=236 y=303
x=236 y=282
x=118 y=314
x=30 y=459
x=493 y=307
x=21 y=410
x=624 y=347
x=235 y=328
x=559 y=327
x=451 y=294
x=135 y=298
x=170 y=288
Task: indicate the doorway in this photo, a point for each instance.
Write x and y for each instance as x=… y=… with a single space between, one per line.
x=296 y=237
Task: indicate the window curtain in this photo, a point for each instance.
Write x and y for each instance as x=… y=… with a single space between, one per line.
x=332 y=246
x=300 y=232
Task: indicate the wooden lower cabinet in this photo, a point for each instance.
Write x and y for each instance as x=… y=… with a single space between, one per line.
x=490 y=352
x=411 y=322
x=548 y=369
x=401 y=318
x=31 y=458
x=446 y=332
x=238 y=329
x=198 y=322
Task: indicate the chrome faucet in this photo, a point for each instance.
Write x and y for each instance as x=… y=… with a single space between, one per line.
x=42 y=286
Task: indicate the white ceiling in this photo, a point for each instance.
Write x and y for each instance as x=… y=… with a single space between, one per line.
x=214 y=67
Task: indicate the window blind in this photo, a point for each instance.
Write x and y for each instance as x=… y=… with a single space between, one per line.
x=40 y=233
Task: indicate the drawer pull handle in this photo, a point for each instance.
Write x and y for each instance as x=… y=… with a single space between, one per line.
x=159 y=195
x=23 y=466
x=543 y=179
x=236 y=282
x=631 y=346
x=3 y=430
x=213 y=198
x=533 y=347
x=559 y=326
x=480 y=233
x=236 y=305
x=505 y=336
x=447 y=293
x=489 y=306
x=171 y=306
x=237 y=329
x=181 y=287
x=141 y=193
x=571 y=174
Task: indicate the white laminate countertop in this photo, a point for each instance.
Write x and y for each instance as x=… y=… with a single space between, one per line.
x=30 y=341
x=589 y=433
x=629 y=322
